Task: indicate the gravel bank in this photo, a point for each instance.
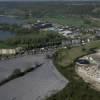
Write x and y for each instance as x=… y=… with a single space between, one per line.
x=91 y=73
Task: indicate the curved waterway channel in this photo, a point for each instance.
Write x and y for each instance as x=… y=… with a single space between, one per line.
x=36 y=85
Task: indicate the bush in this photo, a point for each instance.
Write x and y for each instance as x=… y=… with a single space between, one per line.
x=48 y=56
x=83 y=49
x=16 y=72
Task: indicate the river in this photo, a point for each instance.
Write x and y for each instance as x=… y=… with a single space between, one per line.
x=36 y=85
x=10 y=20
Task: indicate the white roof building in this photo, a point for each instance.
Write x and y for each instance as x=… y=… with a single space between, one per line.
x=10 y=51
x=50 y=29
x=66 y=33
x=7 y=51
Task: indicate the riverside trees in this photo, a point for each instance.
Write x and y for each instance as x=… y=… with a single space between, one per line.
x=31 y=38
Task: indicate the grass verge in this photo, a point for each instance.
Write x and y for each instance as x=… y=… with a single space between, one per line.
x=77 y=89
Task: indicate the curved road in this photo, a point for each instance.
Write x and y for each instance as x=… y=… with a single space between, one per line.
x=36 y=85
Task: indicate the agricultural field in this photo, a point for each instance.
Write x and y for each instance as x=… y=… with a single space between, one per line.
x=65 y=20
x=4 y=45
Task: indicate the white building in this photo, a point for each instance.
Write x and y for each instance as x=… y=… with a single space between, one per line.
x=98 y=33
x=66 y=33
x=7 y=51
x=50 y=29
x=10 y=51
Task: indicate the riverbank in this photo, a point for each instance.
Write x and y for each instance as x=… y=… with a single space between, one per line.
x=77 y=89
x=90 y=73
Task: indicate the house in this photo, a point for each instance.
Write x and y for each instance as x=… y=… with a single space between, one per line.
x=66 y=42
x=19 y=49
x=76 y=33
x=10 y=51
x=50 y=29
x=87 y=38
x=71 y=42
x=76 y=42
x=42 y=25
x=97 y=34
x=66 y=33
x=7 y=51
x=27 y=26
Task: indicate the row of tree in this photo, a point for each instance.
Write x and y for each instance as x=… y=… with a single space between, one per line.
x=31 y=38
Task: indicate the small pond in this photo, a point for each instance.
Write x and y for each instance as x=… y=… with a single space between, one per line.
x=4 y=35
x=10 y=20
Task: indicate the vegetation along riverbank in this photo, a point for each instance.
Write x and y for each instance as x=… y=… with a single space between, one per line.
x=77 y=89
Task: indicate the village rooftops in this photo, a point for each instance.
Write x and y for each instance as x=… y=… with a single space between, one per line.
x=68 y=33
x=41 y=25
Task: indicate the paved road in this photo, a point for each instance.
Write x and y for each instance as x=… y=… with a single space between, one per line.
x=36 y=85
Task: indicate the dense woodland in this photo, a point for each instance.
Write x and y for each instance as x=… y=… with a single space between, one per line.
x=31 y=38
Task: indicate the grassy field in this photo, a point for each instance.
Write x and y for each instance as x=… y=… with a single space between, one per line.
x=77 y=89
x=63 y=20
x=69 y=20
x=75 y=21
x=5 y=46
x=66 y=57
